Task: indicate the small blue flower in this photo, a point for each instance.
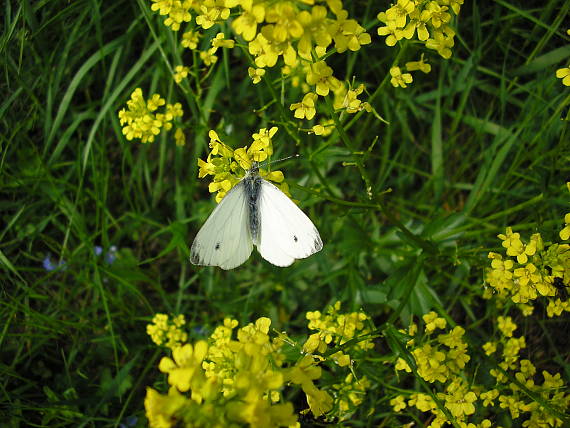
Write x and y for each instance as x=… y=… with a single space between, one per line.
x=98 y=250
x=50 y=266
x=111 y=255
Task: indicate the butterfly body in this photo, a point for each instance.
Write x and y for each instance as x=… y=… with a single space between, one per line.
x=252 y=188
x=255 y=212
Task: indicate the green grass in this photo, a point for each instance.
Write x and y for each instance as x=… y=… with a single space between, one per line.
x=475 y=146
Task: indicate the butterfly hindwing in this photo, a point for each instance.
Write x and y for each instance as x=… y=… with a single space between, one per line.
x=225 y=239
x=286 y=233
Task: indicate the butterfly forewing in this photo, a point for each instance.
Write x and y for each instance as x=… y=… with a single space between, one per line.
x=225 y=239
x=286 y=233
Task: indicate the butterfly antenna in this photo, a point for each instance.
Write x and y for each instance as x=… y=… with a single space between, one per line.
x=297 y=155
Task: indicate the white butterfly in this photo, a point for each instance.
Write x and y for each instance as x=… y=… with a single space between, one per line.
x=255 y=212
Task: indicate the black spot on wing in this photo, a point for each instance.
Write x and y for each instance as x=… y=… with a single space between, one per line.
x=295 y=238
x=217 y=247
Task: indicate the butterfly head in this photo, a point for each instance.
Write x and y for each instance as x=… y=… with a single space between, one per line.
x=254 y=170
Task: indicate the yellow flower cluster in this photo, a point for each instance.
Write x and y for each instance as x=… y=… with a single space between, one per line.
x=442 y=358
x=349 y=332
x=349 y=395
x=236 y=377
x=531 y=270
x=225 y=383
x=514 y=396
x=140 y=120
x=228 y=166
x=166 y=331
x=336 y=329
x=177 y=11
x=427 y=20
x=402 y=80
x=301 y=33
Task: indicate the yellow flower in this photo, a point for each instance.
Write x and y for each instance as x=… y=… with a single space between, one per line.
x=343 y=360
x=550 y=381
x=220 y=42
x=455 y=5
x=399 y=11
x=416 y=24
x=512 y=404
x=190 y=39
x=527 y=368
x=303 y=373
x=436 y=13
x=284 y=23
x=388 y=30
x=418 y=65
x=180 y=73
x=315 y=31
x=430 y=363
x=506 y=326
x=324 y=128
x=460 y=403
x=161 y=409
x=442 y=41
x=564 y=74
x=262 y=146
x=556 y=307
x=401 y=364
x=154 y=102
x=265 y=52
x=453 y=339
x=514 y=245
x=212 y=11
x=398 y=403
x=399 y=79
x=178 y=11
x=319 y=401
x=490 y=348
x=315 y=343
x=350 y=101
x=255 y=74
x=208 y=56
x=511 y=352
x=526 y=309
x=488 y=397
x=246 y=23
x=321 y=75
x=306 y=108
x=500 y=277
x=527 y=276
x=186 y=360
x=347 y=33
x=422 y=402
x=433 y=322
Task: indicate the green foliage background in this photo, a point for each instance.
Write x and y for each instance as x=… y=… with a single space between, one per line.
x=476 y=145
